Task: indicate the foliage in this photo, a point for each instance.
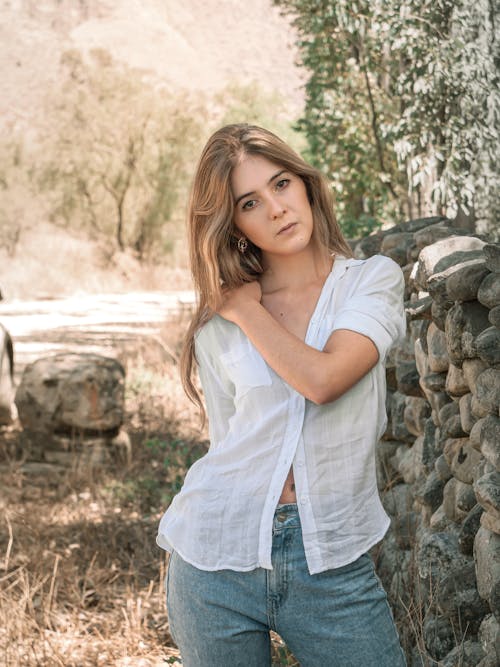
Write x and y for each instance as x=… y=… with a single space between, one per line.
x=14 y=185
x=118 y=162
x=402 y=103
x=249 y=103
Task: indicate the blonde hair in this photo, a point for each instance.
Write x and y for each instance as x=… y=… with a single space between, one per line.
x=212 y=236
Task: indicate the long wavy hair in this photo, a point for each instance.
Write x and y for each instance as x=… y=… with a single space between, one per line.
x=212 y=236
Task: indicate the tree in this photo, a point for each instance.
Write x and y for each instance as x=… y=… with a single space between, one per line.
x=402 y=98
x=117 y=163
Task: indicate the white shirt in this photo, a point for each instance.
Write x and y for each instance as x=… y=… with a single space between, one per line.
x=259 y=427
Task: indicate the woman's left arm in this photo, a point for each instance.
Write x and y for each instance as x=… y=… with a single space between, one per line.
x=364 y=329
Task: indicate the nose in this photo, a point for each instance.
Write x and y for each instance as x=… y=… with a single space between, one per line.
x=276 y=208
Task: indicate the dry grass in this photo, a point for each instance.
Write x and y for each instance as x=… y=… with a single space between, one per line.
x=81 y=578
x=78 y=264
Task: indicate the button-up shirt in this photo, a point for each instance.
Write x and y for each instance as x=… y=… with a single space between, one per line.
x=259 y=427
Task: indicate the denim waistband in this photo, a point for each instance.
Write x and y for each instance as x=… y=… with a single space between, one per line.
x=286 y=515
x=286 y=507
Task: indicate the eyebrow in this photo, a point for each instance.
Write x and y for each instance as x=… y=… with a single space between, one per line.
x=247 y=194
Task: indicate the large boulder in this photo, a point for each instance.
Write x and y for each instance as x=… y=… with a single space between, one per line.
x=68 y=392
x=435 y=259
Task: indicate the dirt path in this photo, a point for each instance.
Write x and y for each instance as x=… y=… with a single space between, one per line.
x=87 y=323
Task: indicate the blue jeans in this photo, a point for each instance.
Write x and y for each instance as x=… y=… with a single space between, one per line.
x=337 y=618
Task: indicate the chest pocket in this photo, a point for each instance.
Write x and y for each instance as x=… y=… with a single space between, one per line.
x=246 y=368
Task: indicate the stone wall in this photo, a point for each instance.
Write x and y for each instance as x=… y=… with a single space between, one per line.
x=439 y=460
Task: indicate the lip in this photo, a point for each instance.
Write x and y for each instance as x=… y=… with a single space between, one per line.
x=285 y=228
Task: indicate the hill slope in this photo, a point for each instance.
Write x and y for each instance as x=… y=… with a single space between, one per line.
x=193 y=44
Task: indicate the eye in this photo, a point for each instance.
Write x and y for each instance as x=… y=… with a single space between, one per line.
x=282 y=183
x=248 y=205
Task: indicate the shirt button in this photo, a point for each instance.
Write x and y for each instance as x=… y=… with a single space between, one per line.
x=300 y=464
x=303 y=500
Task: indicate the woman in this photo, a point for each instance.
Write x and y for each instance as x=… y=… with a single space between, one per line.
x=272 y=527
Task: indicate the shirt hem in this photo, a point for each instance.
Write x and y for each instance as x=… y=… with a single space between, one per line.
x=206 y=568
x=356 y=554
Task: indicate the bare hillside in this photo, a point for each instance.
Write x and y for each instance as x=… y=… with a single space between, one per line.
x=194 y=44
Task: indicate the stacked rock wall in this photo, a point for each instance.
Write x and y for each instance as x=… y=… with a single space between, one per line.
x=439 y=461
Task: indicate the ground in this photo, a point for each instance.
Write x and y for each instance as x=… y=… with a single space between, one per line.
x=81 y=577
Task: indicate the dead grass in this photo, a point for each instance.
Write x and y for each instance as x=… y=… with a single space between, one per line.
x=81 y=578
x=78 y=264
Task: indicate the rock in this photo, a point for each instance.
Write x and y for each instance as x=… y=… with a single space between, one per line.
x=465 y=497
x=455 y=382
x=437 y=353
x=461 y=458
x=487 y=489
x=397 y=245
x=489 y=636
x=472 y=368
x=437 y=283
x=399 y=430
x=489 y=290
x=416 y=413
x=434 y=382
x=431 y=491
x=439 y=522
x=452 y=427
x=494 y=316
x=457 y=595
x=384 y=454
x=463 y=284
x=417 y=224
x=397 y=500
x=487 y=559
x=404 y=528
x=72 y=391
x=488 y=661
x=488 y=345
x=490 y=440
x=475 y=434
x=439 y=636
x=421 y=359
x=486 y=398
x=417 y=329
x=408 y=378
x=464 y=322
x=411 y=466
x=442 y=468
x=418 y=309
x=491 y=522
x=439 y=229
x=442 y=254
x=467 y=419
x=468 y=530
x=439 y=311
x=449 y=501
x=448 y=411
x=484 y=467
x=370 y=245
x=400 y=583
x=437 y=555
x=467 y=654
x=429 y=445
x=491 y=252
x=437 y=400
x=390 y=558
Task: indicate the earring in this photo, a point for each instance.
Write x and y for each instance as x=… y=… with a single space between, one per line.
x=242 y=244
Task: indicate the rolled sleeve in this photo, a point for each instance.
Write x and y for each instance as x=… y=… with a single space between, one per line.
x=375 y=307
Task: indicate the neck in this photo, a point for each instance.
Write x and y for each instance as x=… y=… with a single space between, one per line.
x=294 y=271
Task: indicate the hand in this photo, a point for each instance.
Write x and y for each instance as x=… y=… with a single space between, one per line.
x=235 y=300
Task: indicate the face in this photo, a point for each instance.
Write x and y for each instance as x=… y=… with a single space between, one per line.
x=272 y=209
